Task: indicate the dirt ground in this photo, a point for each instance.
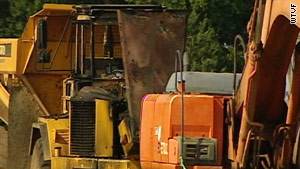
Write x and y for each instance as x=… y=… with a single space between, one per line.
x=3 y=148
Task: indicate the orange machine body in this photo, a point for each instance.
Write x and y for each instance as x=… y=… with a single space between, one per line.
x=161 y=122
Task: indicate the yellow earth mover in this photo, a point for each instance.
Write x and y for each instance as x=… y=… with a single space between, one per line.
x=72 y=84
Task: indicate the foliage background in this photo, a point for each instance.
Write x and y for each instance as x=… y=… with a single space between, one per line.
x=212 y=27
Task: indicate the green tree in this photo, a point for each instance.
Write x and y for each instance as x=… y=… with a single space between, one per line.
x=213 y=25
x=4 y=17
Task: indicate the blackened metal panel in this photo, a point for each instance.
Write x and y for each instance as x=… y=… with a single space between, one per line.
x=149 y=41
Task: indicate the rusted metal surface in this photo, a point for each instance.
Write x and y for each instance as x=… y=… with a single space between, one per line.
x=149 y=42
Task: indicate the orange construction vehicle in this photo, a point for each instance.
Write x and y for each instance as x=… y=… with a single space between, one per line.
x=194 y=125
x=203 y=105
x=72 y=84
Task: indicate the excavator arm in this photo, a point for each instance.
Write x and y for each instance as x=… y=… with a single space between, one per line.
x=273 y=32
x=276 y=29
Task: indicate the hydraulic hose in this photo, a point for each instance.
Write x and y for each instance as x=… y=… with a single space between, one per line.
x=235 y=47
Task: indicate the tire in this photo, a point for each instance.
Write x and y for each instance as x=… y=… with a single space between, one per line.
x=37 y=158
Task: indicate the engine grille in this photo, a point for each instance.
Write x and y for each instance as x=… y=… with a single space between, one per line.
x=82 y=128
x=199 y=150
